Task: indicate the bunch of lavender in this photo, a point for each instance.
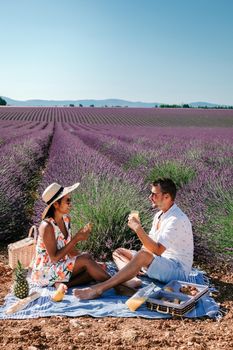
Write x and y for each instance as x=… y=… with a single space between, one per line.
x=21 y=162
x=106 y=203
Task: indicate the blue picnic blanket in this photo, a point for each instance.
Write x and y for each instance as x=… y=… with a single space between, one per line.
x=109 y=304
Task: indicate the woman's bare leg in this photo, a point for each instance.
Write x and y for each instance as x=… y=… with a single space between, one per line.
x=80 y=273
x=81 y=278
x=85 y=263
x=122 y=257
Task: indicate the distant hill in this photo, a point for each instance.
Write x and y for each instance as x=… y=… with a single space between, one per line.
x=96 y=103
x=85 y=103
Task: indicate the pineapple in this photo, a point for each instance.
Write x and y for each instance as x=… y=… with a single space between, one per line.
x=21 y=287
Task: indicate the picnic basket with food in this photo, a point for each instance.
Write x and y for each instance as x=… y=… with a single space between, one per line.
x=176 y=298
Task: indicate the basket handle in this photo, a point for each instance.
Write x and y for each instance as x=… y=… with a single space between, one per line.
x=33 y=232
x=162 y=311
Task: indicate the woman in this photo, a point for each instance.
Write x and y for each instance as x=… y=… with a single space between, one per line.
x=57 y=259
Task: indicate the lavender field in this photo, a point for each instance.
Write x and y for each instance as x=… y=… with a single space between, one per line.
x=115 y=154
x=159 y=117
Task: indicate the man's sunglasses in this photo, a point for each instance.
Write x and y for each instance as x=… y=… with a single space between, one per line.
x=155 y=194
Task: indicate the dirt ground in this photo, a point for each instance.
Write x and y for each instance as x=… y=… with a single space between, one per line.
x=122 y=333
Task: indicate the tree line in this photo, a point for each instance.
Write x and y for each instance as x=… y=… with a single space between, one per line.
x=185 y=105
x=2 y=102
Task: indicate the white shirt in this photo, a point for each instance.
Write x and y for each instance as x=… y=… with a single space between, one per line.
x=175 y=234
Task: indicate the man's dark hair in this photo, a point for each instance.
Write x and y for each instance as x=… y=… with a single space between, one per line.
x=167 y=186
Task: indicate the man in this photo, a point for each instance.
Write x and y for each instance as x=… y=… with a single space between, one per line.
x=167 y=252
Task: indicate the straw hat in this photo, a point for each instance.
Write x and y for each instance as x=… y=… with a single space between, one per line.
x=54 y=192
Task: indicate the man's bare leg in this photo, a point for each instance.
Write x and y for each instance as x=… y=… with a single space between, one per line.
x=141 y=259
x=122 y=257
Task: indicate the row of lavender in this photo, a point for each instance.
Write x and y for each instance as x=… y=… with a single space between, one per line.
x=116 y=165
x=23 y=151
x=10 y=130
x=105 y=197
x=158 y=117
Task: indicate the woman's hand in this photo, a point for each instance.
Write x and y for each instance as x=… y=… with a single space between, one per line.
x=46 y=231
x=83 y=233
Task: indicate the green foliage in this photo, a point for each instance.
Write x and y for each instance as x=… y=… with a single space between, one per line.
x=2 y=102
x=181 y=174
x=136 y=161
x=219 y=226
x=165 y=105
x=107 y=203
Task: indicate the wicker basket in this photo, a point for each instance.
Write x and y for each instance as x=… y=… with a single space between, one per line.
x=23 y=250
x=168 y=306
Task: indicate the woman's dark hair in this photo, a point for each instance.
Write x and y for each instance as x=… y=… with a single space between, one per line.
x=51 y=211
x=167 y=186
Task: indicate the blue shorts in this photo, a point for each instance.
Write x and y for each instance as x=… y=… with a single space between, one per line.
x=165 y=270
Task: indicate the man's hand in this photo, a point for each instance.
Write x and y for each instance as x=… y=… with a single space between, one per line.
x=148 y=243
x=133 y=223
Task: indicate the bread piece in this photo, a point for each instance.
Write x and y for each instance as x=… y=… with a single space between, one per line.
x=21 y=304
x=168 y=289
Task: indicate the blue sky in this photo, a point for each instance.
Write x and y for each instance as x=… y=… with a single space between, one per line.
x=168 y=51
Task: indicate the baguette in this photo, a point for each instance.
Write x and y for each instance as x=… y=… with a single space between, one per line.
x=21 y=304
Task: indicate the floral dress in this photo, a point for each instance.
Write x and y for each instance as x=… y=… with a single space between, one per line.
x=44 y=272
